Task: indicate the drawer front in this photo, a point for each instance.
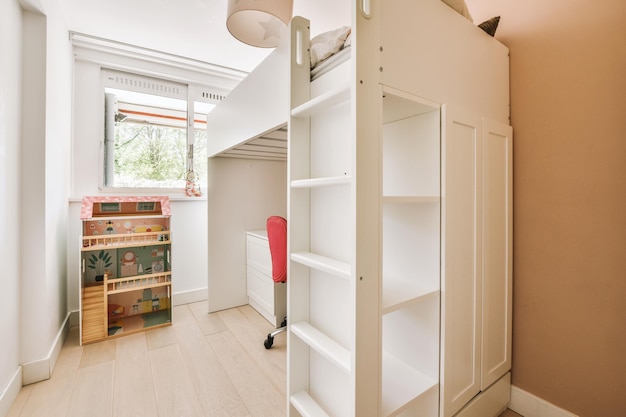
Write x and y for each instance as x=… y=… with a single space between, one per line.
x=259 y=255
x=261 y=289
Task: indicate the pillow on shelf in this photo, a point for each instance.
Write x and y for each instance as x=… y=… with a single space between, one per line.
x=490 y=25
x=459 y=6
x=328 y=43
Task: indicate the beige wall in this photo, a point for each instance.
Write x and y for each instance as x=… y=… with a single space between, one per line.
x=568 y=108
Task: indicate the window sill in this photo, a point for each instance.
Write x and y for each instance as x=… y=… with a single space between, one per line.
x=174 y=198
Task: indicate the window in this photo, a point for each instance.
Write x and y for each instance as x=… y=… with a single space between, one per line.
x=150 y=141
x=145 y=206
x=110 y=207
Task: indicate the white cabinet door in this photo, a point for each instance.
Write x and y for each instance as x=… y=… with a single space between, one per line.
x=497 y=250
x=461 y=245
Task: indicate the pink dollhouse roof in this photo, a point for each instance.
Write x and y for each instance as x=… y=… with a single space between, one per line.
x=86 y=208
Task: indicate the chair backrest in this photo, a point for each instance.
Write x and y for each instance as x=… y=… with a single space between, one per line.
x=277 y=237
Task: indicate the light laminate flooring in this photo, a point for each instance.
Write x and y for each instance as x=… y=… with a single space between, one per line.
x=204 y=365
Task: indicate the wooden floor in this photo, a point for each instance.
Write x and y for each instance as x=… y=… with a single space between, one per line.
x=204 y=365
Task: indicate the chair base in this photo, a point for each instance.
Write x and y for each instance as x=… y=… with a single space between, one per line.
x=270 y=337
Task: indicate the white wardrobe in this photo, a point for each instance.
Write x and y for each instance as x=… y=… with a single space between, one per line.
x=400 y=220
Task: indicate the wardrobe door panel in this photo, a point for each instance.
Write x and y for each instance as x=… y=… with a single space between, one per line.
x=461 y=277
x=497 y=251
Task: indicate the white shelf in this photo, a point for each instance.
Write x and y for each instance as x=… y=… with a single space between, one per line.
x=306 y=406
x=322 y=344
x=321 y=182
x=402 y=385
x=322 y=263
x=322 y=102
x=395 y=298
x=411 y=199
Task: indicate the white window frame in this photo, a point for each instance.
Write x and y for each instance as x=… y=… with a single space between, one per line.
x=121 y=80
x=205 y=83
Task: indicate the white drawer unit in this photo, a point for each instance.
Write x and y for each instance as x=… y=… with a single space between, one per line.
x=264 y=295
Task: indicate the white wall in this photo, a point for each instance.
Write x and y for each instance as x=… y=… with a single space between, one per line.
x=35 y=93
x=10 y=78
x=45 y=140
x=33 y=254
x=58 y=133
x=242 y=193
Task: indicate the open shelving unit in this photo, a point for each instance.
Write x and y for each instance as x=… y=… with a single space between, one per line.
x=410 y=200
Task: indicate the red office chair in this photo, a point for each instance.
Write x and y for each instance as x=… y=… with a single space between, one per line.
x=277 y=238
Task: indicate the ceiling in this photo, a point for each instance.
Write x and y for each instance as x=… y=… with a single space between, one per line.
x=191 y=28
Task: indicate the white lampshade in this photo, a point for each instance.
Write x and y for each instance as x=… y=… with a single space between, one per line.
x=258 y=22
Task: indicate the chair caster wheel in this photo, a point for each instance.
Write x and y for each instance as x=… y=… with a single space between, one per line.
x=268 y=342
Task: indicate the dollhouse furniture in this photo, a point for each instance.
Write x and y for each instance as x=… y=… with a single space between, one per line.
x=126 y=277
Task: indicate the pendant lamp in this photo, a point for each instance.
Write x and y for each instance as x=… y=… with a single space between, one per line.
x=258 y=22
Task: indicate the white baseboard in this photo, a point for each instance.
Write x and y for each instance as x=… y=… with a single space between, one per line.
x=41 y=369
x=75 y=318
x=490 y=402
x=529 y=405
x=9 y=394
x=187 y=297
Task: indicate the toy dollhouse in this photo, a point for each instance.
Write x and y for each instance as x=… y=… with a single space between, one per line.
x=126 y=276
